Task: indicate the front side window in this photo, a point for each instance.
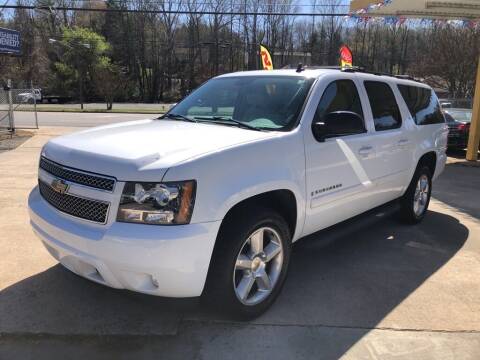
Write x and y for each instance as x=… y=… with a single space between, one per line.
x=386 y=114
x=262 y=102
x=423 y=104
x=340 y=95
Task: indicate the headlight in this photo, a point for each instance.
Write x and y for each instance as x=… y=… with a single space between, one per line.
x=157 y=203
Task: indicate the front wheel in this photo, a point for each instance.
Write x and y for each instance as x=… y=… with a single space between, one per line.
x=250 y=264
x=414 y=203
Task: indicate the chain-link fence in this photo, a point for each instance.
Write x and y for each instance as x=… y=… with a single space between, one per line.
x=5 y=112
x=25 y=107
x=18 y=109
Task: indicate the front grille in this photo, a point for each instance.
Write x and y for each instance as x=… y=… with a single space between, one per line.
x=95 y=181
x=73 y=205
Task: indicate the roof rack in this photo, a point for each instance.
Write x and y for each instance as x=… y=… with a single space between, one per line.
x=405 y=77
x=359 y=69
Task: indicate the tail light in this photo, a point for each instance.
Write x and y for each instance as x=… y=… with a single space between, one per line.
x=463 y=127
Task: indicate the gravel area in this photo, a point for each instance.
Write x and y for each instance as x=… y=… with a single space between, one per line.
x=11 y=141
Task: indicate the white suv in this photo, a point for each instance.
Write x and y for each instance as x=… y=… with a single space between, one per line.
x=31 y=96
x=209 y=198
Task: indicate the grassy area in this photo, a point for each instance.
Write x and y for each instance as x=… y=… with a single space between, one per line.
x=99 y=108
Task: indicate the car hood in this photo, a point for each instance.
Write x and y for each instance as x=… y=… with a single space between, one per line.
x=144 y=150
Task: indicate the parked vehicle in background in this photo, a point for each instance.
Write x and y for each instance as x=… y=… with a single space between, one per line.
x=458 y=121
x=57 y=99
x=456 y=103
x=445 y=104
x=30 y=97
x=209 y=198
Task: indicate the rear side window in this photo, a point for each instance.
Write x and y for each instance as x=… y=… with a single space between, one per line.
x=340 y=95
x=423 y=104
x=386 y=114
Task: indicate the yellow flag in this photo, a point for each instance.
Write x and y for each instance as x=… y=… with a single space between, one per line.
x=267 y=63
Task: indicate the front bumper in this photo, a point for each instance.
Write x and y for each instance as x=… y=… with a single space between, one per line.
x=168 y=261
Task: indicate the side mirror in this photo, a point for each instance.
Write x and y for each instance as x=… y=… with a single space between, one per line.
x=338 y=123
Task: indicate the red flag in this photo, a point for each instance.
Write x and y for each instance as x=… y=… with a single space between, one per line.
x=346 y=57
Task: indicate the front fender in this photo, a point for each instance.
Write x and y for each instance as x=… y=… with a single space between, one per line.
x=258 y=189
x=232 y=175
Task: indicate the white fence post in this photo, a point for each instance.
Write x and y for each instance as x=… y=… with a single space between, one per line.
x=34 y=104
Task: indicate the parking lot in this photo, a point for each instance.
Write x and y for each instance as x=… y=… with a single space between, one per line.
x=369 y=289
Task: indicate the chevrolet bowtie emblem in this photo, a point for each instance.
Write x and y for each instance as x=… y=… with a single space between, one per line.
x=59 y=186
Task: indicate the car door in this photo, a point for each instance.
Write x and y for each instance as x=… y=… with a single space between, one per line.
x=338 y=169
x=393 y=140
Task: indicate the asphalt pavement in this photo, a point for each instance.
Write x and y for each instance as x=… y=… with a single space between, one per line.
x=371 y=288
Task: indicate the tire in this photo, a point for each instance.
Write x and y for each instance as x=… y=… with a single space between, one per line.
x=415 y=201
x=240 y=289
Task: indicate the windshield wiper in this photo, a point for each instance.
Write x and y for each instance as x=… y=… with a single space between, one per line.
x=177 y=117
x=227 y=119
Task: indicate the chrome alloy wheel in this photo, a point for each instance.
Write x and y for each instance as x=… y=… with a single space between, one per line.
x=258 y=266
x=421 y=195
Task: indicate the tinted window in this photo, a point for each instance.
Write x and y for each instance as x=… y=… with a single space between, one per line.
x=265 y=102
x=423 y=104
x=386 y=114
x=341 y=95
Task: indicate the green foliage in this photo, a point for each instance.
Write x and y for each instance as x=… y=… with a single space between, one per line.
x=85 y=57
x=107 y=80
x=82 y=48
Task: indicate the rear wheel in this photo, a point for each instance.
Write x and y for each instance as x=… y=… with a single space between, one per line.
x=414 y=203
x=249 y=265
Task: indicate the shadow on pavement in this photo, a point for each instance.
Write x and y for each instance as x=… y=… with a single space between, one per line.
x=459 y=187
x=457 y=153
x=59 y=302
x=353 y=282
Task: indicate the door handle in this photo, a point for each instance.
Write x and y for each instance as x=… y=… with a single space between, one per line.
x=365 y=150
x=403 y=142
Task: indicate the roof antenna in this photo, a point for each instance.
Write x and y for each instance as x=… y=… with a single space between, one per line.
x=300 y=68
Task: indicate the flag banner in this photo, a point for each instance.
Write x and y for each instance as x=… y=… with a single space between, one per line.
x=346 y=58
x=10 y=42
x=267 y=63
x=362 y=16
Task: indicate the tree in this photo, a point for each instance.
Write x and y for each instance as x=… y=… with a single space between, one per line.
x=83 y=51
x=164 y=53
x=107 y=80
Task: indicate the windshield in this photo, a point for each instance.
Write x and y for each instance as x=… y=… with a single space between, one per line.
x=261 y=102
x=461 y=115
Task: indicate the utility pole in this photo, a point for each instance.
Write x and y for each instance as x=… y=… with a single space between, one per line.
x=474 y=136
x=80 y=84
